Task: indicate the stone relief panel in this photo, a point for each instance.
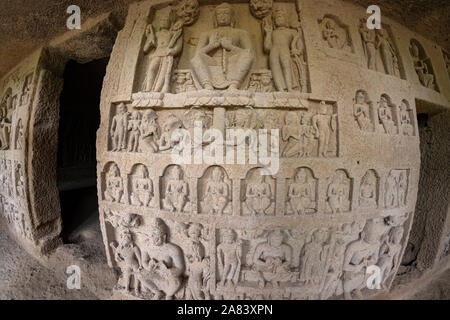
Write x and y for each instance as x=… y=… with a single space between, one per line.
x=215 y=192
x=363 y=111
x=339 y=192
x=175 y=190
x=406 y=119
x=219 y=54
x=387 y=115
x=380 y=50
x=140 y=187
x=369 y=190
x=422 y=65
x=302 y=193
x=113 y=184
x=335 y=34
x=396 y=188
x=15 y=98
x=258 y=192
x=223 y=230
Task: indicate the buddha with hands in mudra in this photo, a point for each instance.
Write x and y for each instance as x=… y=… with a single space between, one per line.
x=224 y=54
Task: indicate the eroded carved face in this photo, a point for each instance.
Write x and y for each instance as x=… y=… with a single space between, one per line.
x=217 y=175
x=260 y=8
x=300 y=176
x=223 y=16
x=276 y=239
x=360 y=97
x=280 y=19
x=228 y=236
x=188 y=11
x=157 y=237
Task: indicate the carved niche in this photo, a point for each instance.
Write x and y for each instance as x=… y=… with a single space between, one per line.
x=380 y=50
x=339 y=192
x=363 y=111
x=215 y=192
x=387 y=115
x=422 y=65
x=302 y=193
x=258 y=191
x=335 y=34
x=396 y=188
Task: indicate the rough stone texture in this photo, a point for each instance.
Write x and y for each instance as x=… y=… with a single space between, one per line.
x=29 y=130
x=217 y=240
x=344 y=195
x=429 y=238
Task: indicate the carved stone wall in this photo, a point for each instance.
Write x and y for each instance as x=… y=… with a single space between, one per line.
x=344 y=196
x=27 y=111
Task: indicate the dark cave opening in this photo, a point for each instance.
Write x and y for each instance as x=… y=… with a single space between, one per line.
x=79 y=121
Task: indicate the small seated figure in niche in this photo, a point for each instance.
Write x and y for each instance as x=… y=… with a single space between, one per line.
x=402 y=187
x=150 y=132
x=266 y=82
x=119 y=128
x=163 y=263
x=198 y=271
x=164 y=45
x=324 y=124
x=128 y=257
x=361 y=111
x=405 y=120
x=114 y=185
x=385 y=116
x=134 y=125
x=301 y=194
x=306 y=132
x=254 y=84
x=425 y=76
x=338 y=194
x=331 y=36
x=387 y=51
x=229 y=258
x=272 y=260
x=290 y=133
x=391 y=191
x=286 y=48
x=171 y=139
x=390 y=254
x=224 y=54
x=368 y=191
x=176 y=194
x=258 y=195
x=184 y=82
x=359 y=255
x=142 y=189
x=315 y=258
x=217 y=193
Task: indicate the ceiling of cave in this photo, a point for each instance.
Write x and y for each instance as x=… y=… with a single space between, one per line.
x=27 y=24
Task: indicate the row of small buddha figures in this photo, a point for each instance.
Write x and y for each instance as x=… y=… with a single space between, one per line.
x=258 y=198
x=167 y=259
x=393 y=119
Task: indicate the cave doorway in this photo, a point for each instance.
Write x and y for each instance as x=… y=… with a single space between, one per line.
x=76 y=166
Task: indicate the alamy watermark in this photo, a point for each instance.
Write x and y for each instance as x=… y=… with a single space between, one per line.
x=74 y=20
x=74 y=277
x=211 y=147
